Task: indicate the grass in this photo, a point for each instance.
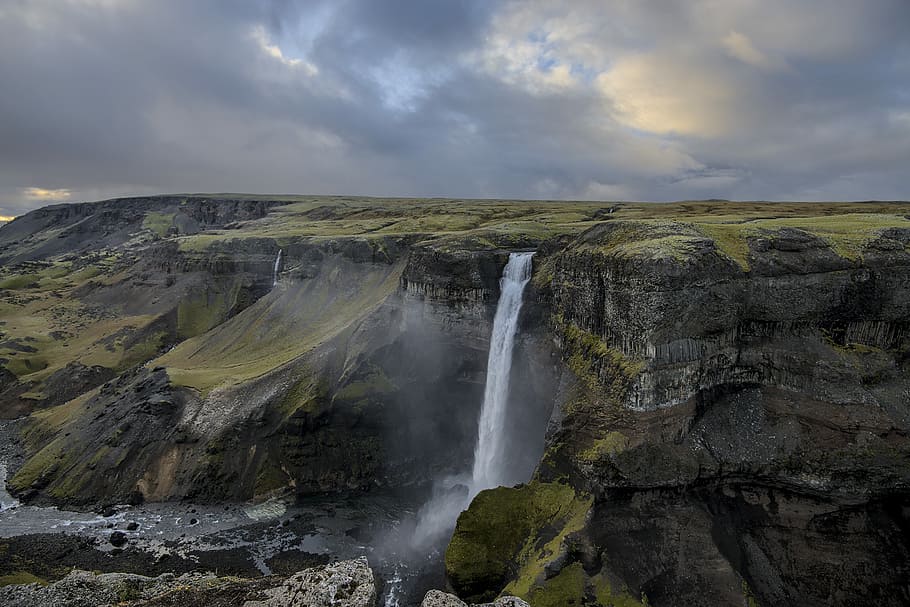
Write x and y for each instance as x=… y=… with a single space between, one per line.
x=444 y=223
x=588 y=349
x=21 y=577
x=19 y=281
x=677 y=237
x=44 y=315
x=159 y=223
x=288 y=323
x=611 y=444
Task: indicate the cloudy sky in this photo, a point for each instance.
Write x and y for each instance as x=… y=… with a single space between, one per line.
x=594 y=99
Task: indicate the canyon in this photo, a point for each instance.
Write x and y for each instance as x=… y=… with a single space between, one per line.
x=707 y=402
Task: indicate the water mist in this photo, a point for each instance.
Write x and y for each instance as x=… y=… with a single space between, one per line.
x=453 y=495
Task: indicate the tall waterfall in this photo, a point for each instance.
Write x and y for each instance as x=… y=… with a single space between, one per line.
x=488 y=456
x=275 y=271
x=452 y=495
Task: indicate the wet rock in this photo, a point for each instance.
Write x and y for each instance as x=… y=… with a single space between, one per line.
x=132 y=526
x=118 y=538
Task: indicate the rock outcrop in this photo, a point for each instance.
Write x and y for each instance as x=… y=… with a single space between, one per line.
x=341 y=584
x=437 y=598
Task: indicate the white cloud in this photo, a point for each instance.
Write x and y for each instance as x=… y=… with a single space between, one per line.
x=739 y=46
x=273 y=50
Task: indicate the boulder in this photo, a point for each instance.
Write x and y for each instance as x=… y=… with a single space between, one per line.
x=437 y=598
x=341 y=584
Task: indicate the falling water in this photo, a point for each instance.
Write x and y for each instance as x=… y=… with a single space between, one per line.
x=488 y=456
x=453 y=494
x=275 y=271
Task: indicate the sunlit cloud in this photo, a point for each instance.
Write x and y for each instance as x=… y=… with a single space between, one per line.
x=6 y=218
x=273 y=50
x=44 y=194
x=756 y=99
x=664 y=94
x=739 y=46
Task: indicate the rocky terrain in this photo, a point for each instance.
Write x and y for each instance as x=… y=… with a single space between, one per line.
x=709 y=406
x=341 y=584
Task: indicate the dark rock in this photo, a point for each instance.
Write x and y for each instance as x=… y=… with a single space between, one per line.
x=118 y=538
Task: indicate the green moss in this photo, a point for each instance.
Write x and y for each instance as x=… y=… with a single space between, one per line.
x=306 y=396
x=607 y=596
x=159 y=223
x=283 y=326
x=748 y=596
x=19 y=281
x=374 y=383
x=26 y=365
x=613 y=443
x=85 y=274
x=21 y=577
x=544 y=274
x=678 y=247
x=43 y=425
x=142 y=351
x=49 y=461
x=847 y=234
x=128 y=591
x=534 y=558
x=563 y=590
x=270 y=477
x=731 y=239
x=198 y=313
x=502 y=527
x=586 y=348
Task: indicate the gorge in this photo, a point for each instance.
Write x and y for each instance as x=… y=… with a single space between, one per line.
x=697 y=403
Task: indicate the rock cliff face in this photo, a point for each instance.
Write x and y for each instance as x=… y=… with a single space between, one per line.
x=741 y=430
x=364 y=366
x=728 y=383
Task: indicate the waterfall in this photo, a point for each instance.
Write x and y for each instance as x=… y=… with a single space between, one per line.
x=488 y=456
x=452 y=495
x=275 y=271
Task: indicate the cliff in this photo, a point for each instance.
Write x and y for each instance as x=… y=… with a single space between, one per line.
x=733 y=419
x=714 y=395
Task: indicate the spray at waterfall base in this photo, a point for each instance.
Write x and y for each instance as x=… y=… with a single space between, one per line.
x=452 y=495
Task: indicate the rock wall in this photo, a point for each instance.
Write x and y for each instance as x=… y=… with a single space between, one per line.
x=364 y=367
x=743 y=432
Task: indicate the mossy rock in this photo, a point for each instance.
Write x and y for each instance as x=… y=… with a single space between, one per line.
x=496 y=538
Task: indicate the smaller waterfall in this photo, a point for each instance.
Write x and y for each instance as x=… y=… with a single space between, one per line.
x=277 y=267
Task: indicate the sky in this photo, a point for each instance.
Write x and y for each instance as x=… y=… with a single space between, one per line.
x=583 y=99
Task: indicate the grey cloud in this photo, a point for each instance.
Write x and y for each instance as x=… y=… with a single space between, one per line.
x=139 y=96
